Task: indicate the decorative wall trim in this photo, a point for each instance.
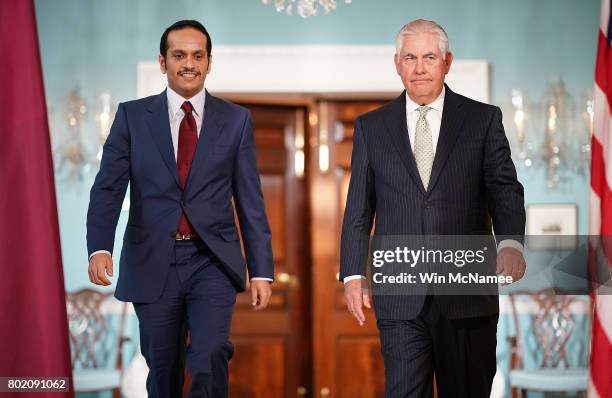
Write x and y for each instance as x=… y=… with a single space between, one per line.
x=313 y=69
x=581 y=306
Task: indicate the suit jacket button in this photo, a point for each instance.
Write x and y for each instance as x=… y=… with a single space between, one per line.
x=183 y=203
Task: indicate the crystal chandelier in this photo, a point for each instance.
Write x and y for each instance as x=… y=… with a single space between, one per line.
x=77 y=151
x=553 y=135
x=306 y=8
x=71 y=158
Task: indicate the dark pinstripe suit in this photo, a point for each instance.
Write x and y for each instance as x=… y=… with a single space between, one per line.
x=473 y=186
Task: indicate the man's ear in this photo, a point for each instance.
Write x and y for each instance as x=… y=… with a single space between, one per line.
x=448 y=60
x=396 y=62
x=209 y=64
x=162 y=64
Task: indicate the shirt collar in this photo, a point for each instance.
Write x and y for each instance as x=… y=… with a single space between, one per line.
x=437 y=104
x=175 y=101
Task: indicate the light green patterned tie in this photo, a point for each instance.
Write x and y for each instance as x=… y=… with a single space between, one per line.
x=423 y=146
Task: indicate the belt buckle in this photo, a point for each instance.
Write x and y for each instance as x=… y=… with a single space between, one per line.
x=184 y=237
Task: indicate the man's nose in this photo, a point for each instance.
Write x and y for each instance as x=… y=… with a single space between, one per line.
x=189 y=62
x=419 y=66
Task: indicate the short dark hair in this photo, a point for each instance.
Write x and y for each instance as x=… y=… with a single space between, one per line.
x=185 y=23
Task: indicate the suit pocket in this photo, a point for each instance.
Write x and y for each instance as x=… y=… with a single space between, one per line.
x=135 y=234
x=229 y=235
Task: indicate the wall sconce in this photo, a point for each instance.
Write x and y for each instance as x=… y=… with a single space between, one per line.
x=105 y=109
x=553 y=135
x=76 y=152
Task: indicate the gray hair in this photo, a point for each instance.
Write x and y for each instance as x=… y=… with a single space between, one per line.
x=423 y=26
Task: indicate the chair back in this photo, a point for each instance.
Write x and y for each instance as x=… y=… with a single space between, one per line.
x=552 y=325
x=94 y=339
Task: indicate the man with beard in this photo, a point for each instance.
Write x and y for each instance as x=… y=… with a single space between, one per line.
x=186 y=155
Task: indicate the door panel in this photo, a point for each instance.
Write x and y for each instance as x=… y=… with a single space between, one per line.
x=305 y=344
x=264 y=380
x=358 y=359
x=272 y=347
x=347 y=359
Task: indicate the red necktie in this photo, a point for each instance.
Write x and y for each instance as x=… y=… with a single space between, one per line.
x=188 y=138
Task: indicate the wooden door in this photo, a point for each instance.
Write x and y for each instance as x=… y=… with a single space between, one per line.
x=272 y=347
x=347 y=358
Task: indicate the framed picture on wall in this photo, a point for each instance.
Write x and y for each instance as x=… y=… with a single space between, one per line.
x=552 y=226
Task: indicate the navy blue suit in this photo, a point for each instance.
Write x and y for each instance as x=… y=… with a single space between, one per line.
x=139 y=150
x=473 y=187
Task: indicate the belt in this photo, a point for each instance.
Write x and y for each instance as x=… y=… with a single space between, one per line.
x=180 y=236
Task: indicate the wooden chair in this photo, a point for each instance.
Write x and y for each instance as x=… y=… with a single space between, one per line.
x=547 y=338
x=96 y=343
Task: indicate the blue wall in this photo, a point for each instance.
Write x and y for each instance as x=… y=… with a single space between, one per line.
x=95 y=45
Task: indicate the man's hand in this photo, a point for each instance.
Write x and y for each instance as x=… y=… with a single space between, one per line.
x=510 y=262
x=356 y=297
x=100 y=264
x=260 y=294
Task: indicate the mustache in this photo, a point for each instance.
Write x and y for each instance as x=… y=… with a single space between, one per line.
x=195 y=71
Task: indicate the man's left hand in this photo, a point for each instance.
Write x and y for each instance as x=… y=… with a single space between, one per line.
x=510 y=262
x=260 y=294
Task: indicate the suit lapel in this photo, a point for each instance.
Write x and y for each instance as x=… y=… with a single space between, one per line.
x=450 y=128
x=159 y=128
x=397 y=127
x=212 y=127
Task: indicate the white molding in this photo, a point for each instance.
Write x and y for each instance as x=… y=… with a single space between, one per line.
x=523 y=307
x=313 y=69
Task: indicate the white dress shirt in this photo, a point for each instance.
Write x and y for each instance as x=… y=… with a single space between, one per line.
x=175 y=116
x=434 y=118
